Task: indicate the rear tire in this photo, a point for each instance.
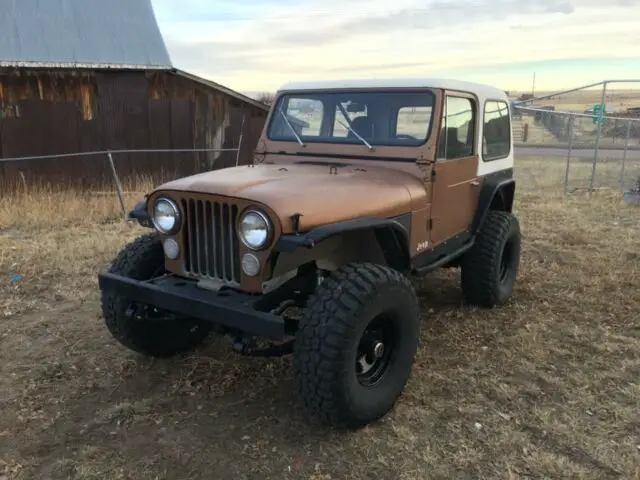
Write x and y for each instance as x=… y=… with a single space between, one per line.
x=490 y=268
x=356 y=343
x=143 y=328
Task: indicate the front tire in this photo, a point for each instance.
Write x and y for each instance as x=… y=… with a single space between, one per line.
x=490 y=268
x=356 y=343
x=143 y=328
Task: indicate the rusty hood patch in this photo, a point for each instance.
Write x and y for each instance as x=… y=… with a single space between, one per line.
x=320 y=193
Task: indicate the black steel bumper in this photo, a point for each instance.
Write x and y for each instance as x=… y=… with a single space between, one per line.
x=228 y=309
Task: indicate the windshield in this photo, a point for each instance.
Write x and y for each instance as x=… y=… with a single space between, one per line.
x=364 y=118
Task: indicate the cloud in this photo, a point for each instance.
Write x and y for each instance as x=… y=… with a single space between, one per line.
x=436 y=16
x=260 y=45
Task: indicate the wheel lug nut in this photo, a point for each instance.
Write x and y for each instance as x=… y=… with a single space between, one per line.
x=378 y=350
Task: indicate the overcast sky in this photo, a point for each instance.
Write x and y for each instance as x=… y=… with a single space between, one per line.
x=256 y=45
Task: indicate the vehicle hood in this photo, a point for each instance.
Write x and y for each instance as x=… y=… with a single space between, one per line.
x=320 y=192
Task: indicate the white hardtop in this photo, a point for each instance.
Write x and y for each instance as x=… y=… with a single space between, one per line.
x=481 y=90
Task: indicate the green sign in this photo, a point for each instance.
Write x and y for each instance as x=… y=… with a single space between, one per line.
x=597 y=113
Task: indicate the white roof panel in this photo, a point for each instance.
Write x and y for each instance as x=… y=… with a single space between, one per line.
x=483 y=91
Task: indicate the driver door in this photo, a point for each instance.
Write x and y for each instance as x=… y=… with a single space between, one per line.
x=454 y=178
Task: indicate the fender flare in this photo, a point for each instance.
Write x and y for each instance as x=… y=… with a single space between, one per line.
x=504 y=190
x=398 y=226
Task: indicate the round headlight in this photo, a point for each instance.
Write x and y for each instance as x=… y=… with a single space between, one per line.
x=165 y=215
x=255 y=230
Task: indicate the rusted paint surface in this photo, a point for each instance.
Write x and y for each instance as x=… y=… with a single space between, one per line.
x=57 y=112
x=289 y=188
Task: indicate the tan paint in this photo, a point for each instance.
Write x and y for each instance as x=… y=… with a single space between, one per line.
x=454 y=199
x=456 y=187
x=289 y=179
x=321 y=194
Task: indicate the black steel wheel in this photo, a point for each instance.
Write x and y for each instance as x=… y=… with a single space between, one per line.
x=355 y=347
x=376 y=350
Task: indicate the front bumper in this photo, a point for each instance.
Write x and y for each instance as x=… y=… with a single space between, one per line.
x=227 y=308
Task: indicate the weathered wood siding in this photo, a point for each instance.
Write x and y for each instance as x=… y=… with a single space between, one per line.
x=53 y=112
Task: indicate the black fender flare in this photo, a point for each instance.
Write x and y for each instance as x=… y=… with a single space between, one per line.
x=140 y=214
x=398 y=227
x=501 y=191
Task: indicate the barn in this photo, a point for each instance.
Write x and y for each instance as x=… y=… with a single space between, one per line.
x=78 y=77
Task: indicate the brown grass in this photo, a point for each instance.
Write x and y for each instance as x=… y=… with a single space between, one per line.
x=546 y=387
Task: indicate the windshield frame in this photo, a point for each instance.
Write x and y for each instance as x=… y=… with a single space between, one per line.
x=349 y=144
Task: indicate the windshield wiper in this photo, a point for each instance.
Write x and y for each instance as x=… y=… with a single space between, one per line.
x=356 y=134
x=295 y=134
x=348 y=127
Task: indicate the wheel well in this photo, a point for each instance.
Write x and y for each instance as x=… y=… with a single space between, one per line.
x=379 y=245
x=395 y=247
x=503 y=198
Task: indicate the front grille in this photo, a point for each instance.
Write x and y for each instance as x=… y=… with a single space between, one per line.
x=210 y=240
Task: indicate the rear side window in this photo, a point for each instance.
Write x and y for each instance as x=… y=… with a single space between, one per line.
x=496 y=136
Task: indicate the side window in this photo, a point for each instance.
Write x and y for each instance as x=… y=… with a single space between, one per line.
x=496 y=137
x=456 y=136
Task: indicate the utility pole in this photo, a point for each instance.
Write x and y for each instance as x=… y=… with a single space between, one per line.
x=533 y=85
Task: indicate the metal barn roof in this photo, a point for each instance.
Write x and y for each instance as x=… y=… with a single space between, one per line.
x=81 y=34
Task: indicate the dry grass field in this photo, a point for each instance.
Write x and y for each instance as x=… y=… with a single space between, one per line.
x=545 y=387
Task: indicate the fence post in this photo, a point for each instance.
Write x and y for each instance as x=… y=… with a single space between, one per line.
x=624 y=155
x=599 y=132
x=244 y=117
x=569 y=148
x=116 y=180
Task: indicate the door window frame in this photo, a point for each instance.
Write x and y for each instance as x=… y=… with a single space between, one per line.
x=474 y=122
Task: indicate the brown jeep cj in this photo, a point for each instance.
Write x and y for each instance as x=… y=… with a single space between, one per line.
x=356 y=187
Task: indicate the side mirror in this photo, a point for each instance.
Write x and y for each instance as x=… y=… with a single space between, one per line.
x=139 y=214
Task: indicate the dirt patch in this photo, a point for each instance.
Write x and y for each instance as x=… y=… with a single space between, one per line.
x=546 y=387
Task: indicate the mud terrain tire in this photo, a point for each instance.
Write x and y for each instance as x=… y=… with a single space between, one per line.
x=145 y=333
x=330 y=340
x=490 y=268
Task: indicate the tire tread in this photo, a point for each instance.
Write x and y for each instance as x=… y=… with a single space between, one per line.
x=137 y=260
x=481 y=264
x=324 y=335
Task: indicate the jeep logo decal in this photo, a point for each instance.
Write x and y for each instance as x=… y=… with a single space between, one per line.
x=422 y=245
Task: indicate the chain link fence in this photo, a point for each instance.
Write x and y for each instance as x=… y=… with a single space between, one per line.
x=122 y=177
x=598 y=144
